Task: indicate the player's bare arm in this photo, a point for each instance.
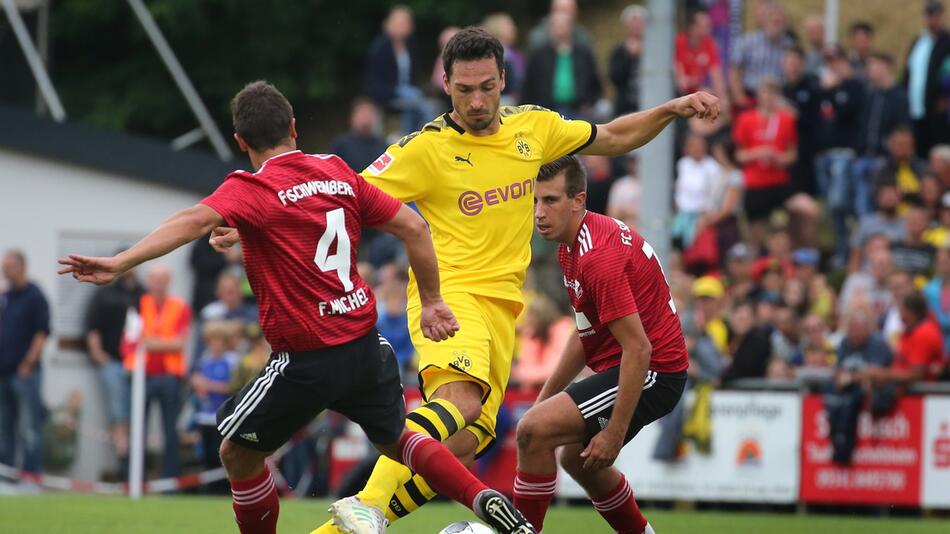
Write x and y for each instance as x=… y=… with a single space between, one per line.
x=634 y=363
x=181 y=228
x=628 y=132
x=568 y=367
x=438 y=322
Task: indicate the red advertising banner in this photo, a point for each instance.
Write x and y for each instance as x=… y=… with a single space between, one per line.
x=886 y=467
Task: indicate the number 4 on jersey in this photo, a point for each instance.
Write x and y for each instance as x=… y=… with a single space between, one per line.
x=339 y=262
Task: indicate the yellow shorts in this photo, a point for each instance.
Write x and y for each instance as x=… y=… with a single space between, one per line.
x=481 y=351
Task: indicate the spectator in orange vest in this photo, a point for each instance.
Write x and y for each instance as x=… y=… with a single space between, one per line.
x=165 y=322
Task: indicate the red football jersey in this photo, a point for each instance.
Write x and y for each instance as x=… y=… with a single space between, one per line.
x=299 y=218
x=611 y=272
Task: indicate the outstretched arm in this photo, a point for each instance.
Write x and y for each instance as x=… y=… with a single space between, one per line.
x=438 y=321
x=181 y=228
x=628 y=132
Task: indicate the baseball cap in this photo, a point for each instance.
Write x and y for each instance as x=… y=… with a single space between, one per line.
x=933 y=7
x=805 y=256
x=709 y=287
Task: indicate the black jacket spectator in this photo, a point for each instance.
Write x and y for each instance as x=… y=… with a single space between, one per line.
x=625 y=76
x=539 y=78
x=207 y=264
x=803 y=94
x=358 y=151
x=382 y=72
x=107 y=309
x=750 y=358
x=838 y=115
x=882 y=110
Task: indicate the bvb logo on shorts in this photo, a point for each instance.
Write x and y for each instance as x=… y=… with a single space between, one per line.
x=523 y=148
x=461 y=360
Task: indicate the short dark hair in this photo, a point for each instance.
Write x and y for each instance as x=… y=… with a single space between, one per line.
x=902 y=128
x=862 y=26
x=471 y=44
x=916 y=304
x=795 y=49
x=261 y=115
x=575 y=176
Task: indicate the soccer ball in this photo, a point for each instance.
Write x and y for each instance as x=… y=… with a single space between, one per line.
x=466 y=527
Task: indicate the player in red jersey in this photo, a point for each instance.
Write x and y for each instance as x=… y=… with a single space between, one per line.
x=299 y=218
x=628 y=333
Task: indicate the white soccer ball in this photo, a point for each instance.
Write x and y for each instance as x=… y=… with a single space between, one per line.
x=466 y=527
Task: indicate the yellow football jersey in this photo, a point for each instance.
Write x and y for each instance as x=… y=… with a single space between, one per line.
x=477 y=193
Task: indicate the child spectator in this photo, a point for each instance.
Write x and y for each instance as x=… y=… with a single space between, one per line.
x=393 y=325
x=211 y=382
x=254 y=360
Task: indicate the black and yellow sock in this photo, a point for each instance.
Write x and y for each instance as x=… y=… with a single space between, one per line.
x=409 y=497
x=438 y=419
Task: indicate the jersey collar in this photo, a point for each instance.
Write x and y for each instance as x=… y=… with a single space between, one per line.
x=579 y=228
x=278 y=156
x=454 y=125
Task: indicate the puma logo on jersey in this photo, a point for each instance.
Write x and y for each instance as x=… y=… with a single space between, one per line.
x=466 y=159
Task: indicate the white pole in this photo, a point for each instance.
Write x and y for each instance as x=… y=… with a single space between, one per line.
x=656 y=160
x=133 y=325
x=831 y=22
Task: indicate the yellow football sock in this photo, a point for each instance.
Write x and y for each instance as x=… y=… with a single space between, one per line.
x=438 y=419
x=409 y=497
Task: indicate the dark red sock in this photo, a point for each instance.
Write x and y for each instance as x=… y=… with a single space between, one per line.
x=620 y=509
x=533 y=494
x=439 y=467
x=256 y=505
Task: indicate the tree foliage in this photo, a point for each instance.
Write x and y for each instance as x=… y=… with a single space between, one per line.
x=109 y=74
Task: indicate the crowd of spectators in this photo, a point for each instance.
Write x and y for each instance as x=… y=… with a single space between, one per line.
x=810 y=232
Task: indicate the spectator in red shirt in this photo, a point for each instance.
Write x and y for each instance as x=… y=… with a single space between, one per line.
x=919 y=356
x=767 y=138
x=696 y=62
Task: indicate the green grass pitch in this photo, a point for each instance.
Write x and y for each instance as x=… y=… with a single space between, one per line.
x=65 y=514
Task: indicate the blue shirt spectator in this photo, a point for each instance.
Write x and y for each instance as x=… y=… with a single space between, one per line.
x=24 y=325
x=394 y=325
x=24 y=313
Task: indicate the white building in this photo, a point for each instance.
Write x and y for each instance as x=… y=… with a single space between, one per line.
x=73 y=188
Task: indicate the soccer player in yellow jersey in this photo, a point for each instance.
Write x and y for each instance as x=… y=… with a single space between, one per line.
x=471 y=173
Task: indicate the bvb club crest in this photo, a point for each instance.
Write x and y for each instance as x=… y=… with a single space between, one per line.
x=523 y=148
